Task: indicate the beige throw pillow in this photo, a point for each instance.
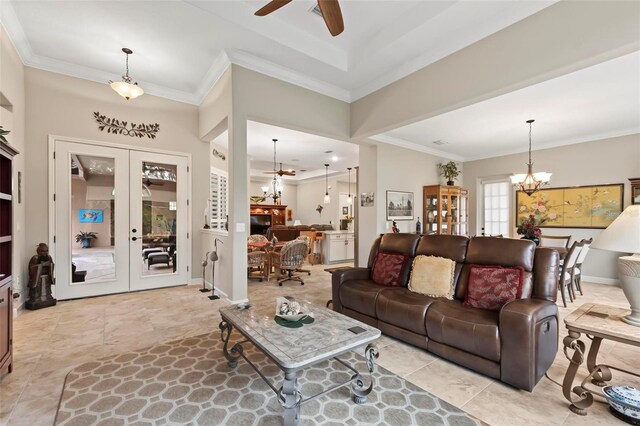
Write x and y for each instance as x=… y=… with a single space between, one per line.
x=432 y=276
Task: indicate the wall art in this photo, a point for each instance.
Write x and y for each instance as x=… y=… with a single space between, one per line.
x=366 y=199
x=399 y=205
x=113 y=125
x=572 y=207
x=90 y=216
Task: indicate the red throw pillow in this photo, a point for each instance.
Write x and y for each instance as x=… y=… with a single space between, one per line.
x=492 y=287
x=387 y=268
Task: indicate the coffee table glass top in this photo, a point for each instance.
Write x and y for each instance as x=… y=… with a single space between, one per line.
x=292 y=348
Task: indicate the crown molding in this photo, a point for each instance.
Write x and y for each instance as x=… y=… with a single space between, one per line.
x=217 y=69
x=391 y=140
x=558 y=143
x=9 y=20
x=263 y=66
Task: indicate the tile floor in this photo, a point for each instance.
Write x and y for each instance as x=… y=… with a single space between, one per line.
x=49 y=342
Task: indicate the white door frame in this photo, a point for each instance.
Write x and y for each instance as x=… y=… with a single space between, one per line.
x=51 y=187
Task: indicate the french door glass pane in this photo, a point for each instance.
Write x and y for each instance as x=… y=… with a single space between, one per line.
x=159 y=218
x=92 y=219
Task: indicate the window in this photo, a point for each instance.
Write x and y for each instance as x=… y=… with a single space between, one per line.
x=218 y=207
x=496 y=208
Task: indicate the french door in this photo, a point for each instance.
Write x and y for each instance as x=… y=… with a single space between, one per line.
x=120 y=220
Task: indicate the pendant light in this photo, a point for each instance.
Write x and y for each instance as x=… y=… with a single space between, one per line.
x=327 y=198
x=349 y=199
x=530 y=182
x=127 y=88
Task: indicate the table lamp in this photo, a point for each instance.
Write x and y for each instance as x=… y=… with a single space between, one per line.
x=623 y=235
x=297 y=222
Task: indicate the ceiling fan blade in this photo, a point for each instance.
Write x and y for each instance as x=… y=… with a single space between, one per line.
x=272 y=6
x=332 y=16
x=274 y=172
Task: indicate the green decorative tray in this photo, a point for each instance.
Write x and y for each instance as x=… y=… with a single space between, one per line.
x=294 y=324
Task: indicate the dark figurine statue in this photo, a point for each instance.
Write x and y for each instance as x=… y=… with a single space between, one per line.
x=41 y=278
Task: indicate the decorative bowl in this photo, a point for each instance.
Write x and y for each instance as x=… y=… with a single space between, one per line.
x=284 y=309
x=624 y=399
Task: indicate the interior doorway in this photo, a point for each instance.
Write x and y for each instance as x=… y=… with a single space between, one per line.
x=120 y=220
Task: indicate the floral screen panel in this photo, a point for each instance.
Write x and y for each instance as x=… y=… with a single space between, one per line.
x=574 y=207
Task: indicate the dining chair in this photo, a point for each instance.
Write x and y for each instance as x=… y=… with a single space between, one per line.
x=257 y=238
x=258 y=265
x=565 y=279
x=555 y=241
x=577 y=270
x=307 y=240
x=289 y=259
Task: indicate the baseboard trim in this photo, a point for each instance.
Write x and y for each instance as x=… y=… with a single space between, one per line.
x=600 y=280
x=221 y=293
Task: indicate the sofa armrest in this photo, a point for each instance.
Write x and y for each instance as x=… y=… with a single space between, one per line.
x=338 y=278
x=529 y=341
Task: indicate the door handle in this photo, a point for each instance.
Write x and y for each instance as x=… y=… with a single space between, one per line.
x=1 y=300
x=134 y=238
x=134 y=230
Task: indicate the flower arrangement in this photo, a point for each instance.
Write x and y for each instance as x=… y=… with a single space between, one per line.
x=530 y=227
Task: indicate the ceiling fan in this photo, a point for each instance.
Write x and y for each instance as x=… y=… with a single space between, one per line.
x=330 y=9
x=279 y=172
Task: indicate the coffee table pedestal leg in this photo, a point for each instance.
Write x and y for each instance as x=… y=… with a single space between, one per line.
x=225 y=335
x=358 y=391
x=290 y=399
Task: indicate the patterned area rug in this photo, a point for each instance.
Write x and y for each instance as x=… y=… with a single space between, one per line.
x=188 y=382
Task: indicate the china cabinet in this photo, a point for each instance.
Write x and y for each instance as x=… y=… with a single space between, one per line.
x=445 y=210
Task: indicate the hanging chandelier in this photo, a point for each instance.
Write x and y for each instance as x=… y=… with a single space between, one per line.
x=276 y=183
x=327 y=198
x=349 y=199
x=530 y=182
x=127 y=88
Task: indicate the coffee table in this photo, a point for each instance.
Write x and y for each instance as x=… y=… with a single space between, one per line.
x=597 y=322
x=293 y=349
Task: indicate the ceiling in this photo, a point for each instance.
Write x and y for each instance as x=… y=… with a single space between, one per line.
x=182 y=47
x=594 y=103
x=302 y=152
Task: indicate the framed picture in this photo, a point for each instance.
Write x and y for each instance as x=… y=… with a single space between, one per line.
x=345 y=210
x=90 y=216
x=366 y=199
x=399 y=205
x=572 y=207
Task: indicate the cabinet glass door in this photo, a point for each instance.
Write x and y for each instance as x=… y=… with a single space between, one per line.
x=431 y=214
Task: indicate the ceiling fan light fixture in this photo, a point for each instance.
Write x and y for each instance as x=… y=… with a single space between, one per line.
x=127 y=88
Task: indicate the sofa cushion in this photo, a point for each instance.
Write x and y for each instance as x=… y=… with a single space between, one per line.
x=403 y=308
x=492 y=287
x=388 y=268
x=469 y=329
x=432 y=276
x=498 y=251
x=360 y=296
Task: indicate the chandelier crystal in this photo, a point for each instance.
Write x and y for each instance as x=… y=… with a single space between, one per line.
x=530 y=182
x=127 y=88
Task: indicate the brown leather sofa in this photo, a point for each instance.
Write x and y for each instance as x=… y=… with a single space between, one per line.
x=516 y=345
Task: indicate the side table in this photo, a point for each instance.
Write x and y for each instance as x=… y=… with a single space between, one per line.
x=597 y=322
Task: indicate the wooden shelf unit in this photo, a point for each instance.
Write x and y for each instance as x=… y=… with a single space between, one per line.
x=445 y=210
x=6 y=246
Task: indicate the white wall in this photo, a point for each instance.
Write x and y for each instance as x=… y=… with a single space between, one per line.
x=599 y=162
x=387 y=167
x=310 y=195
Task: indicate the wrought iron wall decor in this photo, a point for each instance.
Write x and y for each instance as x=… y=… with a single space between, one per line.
x=218 y=154
x=113 y=125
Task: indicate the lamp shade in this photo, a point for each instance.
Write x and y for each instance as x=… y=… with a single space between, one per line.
x=297 y=222
x=127 y=90
x=623 y=235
